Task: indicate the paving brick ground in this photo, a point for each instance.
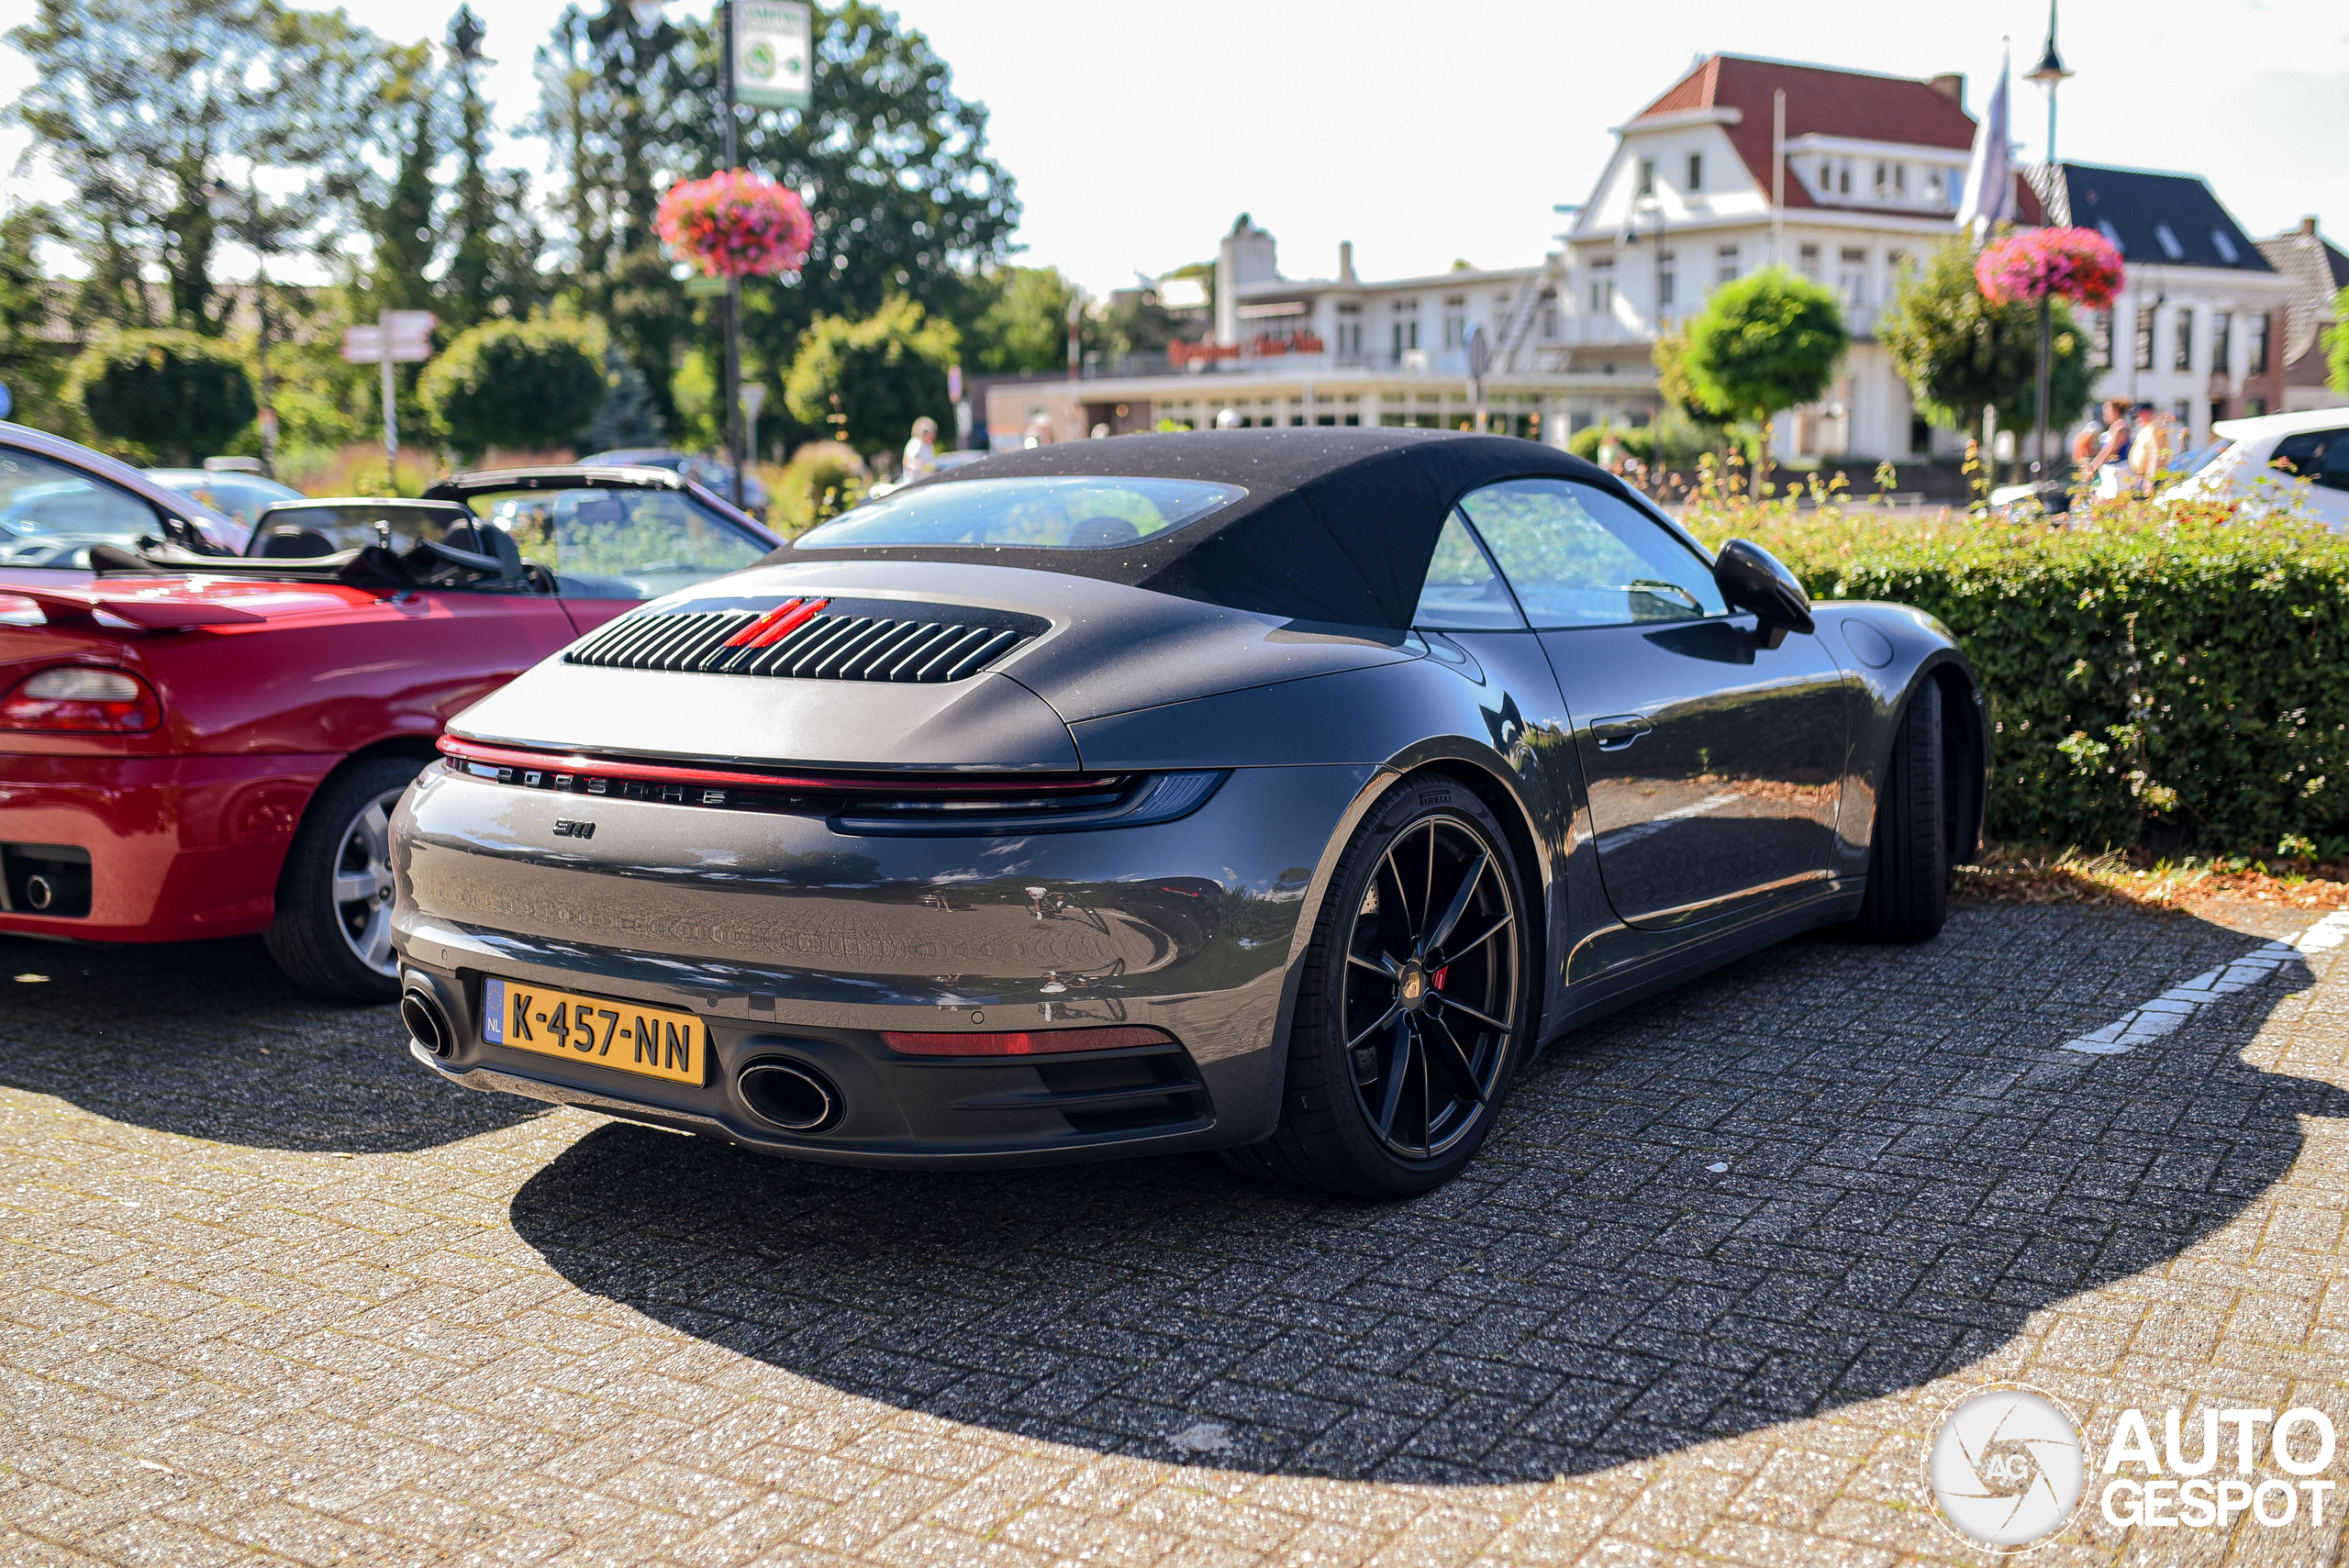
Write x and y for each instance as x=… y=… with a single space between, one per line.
x=267 y=1291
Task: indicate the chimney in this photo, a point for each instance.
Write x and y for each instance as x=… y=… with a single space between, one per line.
x=2307 y=226
x=1951 y=85
x=1346 y=260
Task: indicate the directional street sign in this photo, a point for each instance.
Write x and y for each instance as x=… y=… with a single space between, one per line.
x=411 y=332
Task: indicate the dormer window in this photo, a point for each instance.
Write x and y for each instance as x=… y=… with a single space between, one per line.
x=2168 y=242
x=2225 y=247
x=2111 y=235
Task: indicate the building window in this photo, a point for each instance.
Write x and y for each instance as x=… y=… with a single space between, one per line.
x=1696 y=170
x=1456 y=322
x=2183 y=411
x=1936 y=188
x=1602 y=286
x=2256 y=326
x=1901 y=182
x=2223 y=340
x=1851 y=276
x=1725 y=265
x=2100 y=339
x=2253 y=408
x=1647 y=177
x=1667 y=280
x=1882 y=180
x=2168 y=242
x=2182 y=339
x=2141 y=356
x=2225 y=247
x=1921 y=436
x=1844 y=177
x=1809 y=262
x=1549 y=314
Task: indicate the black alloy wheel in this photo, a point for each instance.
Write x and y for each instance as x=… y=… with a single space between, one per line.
x=1415 y=1010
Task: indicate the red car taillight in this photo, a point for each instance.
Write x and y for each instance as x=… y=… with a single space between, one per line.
x=78 y=698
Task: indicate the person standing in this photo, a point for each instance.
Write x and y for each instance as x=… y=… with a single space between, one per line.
x=922 y=451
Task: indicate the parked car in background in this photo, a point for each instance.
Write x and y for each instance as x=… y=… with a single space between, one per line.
x=2276 y=460
x=243 y=496
x=711 y=473
x=58 y=498
x=200 y=745
x=1280 y=792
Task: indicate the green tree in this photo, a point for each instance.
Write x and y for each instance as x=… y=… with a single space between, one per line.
x=29 y=367
x=165 y=391
x=514 y=385
x=1961 y=354
x=1763 y=343
x=2336 y=341
x=868 y=381
x=1021 y=322
x=141 y=102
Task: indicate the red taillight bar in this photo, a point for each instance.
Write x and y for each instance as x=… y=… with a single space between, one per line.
x=718 y=778
x=1022 y=1042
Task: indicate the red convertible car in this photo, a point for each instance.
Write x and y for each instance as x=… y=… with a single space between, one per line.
x=196 y=744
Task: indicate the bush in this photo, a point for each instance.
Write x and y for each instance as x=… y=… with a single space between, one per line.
x=867 y=382
x=2166 y=672
x=174 y=394
x=514 y=384
x=822 y=480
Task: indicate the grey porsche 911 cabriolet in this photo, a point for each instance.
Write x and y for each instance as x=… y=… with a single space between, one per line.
x=1276 y=792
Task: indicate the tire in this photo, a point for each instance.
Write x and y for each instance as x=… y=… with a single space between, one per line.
x=1907 y=892
x=1440 y=1010
x=331 y=935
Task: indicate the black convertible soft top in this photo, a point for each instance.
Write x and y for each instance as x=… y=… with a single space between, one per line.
x=1338 y=525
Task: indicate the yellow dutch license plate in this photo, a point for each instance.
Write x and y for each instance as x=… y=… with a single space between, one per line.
x=630 y=1037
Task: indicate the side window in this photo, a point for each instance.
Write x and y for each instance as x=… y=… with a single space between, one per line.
x=2320 y=457
x=50 y=514
x=621 y=544
x=1577 y=556
x=1463 y=592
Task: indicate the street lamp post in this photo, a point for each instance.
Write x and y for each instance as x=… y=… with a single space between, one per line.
x=733 y=390
x=2049 y=74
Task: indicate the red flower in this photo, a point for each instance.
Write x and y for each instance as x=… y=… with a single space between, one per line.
x=736 y=224
x=2050 y=263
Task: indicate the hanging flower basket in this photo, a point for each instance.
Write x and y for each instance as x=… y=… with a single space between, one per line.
x=736 y=224
x=2077 y=264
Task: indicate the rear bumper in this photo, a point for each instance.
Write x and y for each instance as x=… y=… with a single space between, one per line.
x=792 y=941
x=180 y=848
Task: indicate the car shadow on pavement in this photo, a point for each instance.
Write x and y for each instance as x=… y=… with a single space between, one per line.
x=210 y=1039
x=1909 y=1169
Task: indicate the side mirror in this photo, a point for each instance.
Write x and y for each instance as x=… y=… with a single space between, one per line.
x=1751 y=578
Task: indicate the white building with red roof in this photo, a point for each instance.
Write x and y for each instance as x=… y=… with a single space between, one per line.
x=1843 y=175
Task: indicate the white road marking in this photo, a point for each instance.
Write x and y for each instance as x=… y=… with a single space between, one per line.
x=1662 y=819
x=2167 y=1012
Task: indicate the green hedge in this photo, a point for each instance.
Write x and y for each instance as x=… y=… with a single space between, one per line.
x=2176 y=674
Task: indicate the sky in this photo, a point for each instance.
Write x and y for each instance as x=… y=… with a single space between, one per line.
x=1136 y=132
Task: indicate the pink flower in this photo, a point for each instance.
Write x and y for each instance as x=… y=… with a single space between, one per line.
x=2076 y=265
x=736 y=224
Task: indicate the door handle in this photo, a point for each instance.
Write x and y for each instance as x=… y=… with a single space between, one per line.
x=1615 y=734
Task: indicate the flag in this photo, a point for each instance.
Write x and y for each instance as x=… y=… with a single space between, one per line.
x=1990 y=180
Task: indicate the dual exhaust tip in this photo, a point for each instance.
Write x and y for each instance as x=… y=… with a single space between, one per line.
x=786 y=1094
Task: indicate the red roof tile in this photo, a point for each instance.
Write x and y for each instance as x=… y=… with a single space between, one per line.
x=1819 y=101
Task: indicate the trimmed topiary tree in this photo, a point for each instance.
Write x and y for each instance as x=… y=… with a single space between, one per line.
x=866 y=382
x=1762 y=344
x=168 y=391
x=514 y=384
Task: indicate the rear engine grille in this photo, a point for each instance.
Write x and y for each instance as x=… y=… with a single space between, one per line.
x=814 y=639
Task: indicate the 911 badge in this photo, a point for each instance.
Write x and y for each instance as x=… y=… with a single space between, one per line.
x=566 y=828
